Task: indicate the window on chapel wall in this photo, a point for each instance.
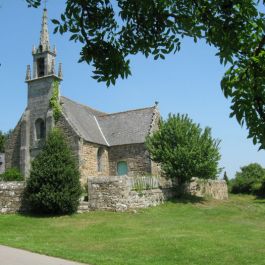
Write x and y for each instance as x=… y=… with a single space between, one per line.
x=40 y=129
x=100 y=159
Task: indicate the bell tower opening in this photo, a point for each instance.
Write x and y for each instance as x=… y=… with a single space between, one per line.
x=40 y=67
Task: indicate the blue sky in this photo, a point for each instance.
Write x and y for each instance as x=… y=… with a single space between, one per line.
x=187 y=82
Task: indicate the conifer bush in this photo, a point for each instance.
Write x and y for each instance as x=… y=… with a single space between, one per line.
x=53 y=186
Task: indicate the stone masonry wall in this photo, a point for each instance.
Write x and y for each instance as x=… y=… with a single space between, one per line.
x=10 y=196
x=216 y=189
x=135 y=155
x=89 y=161
x=40 y=91
x=2 y=163
x=117 y=194
x=71 y=137
x=155 y=169
x=12 y=148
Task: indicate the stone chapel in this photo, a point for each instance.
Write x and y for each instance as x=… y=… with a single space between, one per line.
x=104 y=144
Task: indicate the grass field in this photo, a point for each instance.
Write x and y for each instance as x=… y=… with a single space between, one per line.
x=202 y=233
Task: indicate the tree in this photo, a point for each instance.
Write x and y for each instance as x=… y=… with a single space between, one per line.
x=2 y=142
x=226 y=178
x=3 y=138
x=184 y=149
x=110 y=31
x=249 y=179
x=261 y=190
x=228 y=182
x=53 y=186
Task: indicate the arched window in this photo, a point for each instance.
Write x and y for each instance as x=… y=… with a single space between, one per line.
x=40 y=129
x=100 y=159
x=122 y=168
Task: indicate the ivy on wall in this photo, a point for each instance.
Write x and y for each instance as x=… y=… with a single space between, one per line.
x=54 y=101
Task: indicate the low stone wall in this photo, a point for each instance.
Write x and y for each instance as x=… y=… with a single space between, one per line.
x=2 y=163
x=11 y=196
x=216 y=189
x=120 y=193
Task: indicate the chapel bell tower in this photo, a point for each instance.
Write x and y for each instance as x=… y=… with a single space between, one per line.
x=43 y=56
x=42 y=82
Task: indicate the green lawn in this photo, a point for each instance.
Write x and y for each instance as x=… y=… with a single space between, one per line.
x=210 y=232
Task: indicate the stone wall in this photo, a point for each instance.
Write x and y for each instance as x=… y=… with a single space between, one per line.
x=118 y=194
x=216 y=189
x=121 y=193
x=72 y=139
x=40 y=91
x=12 y=148
x=10 y=196
x=155 y=169
x=89 y=161
x=2 y=163
x=135 y=155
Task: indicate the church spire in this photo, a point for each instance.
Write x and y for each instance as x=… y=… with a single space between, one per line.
x=43 y=56
x=44 y=34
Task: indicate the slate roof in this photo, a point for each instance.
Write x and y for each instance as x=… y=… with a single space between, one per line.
x=82 y=119
x=120 y=128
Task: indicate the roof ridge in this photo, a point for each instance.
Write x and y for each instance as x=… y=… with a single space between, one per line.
x=104 y=113
x=120 y=112
x=101 y=131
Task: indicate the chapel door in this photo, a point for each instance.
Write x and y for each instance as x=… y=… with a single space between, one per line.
x=122 y=168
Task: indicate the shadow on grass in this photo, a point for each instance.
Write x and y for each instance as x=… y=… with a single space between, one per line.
x=260 y=199
x=188 y=199
x=25 y=211
x=40 y=215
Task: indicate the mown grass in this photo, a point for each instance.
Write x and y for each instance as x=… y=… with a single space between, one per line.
x=184 y=233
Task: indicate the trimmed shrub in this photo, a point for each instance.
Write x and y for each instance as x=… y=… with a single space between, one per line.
x=12 y=174
x=53 y=186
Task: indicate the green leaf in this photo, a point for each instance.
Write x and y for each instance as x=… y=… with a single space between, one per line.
x=55 y=21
